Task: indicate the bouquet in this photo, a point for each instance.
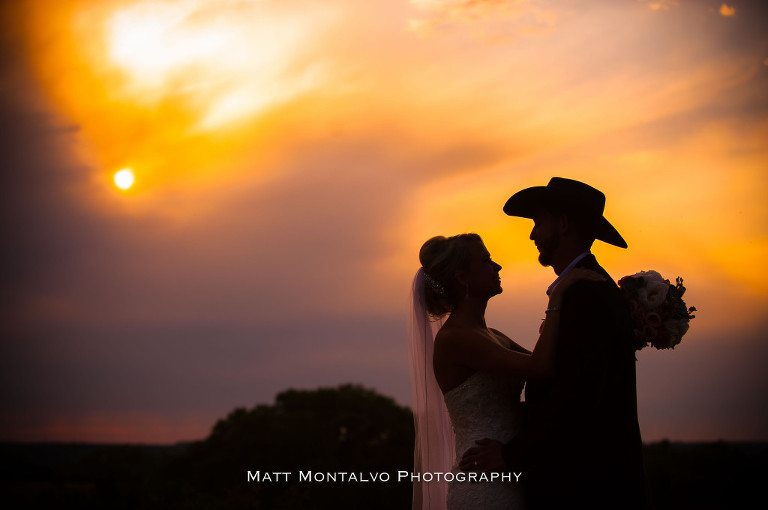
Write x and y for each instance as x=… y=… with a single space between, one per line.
x=659 y=313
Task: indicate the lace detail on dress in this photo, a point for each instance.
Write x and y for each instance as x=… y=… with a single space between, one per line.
x=484 y=406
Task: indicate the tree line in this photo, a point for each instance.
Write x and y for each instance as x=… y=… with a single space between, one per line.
x=327 y=448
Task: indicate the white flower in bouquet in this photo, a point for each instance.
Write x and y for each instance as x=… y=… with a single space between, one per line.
x=653 y=294
x=659 y=314
x=676 y=329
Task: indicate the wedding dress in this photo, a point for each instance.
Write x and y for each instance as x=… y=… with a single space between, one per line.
x=484 y=406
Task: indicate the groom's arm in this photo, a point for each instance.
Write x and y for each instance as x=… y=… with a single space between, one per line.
x=563 y=419
x=575 y=417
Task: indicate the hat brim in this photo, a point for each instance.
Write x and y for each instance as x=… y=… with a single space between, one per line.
x=527 y=202
x=608 y=234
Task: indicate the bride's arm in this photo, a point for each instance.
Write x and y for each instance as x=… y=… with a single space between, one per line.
x=475 y=351
x=478 y=352
x=510 y=343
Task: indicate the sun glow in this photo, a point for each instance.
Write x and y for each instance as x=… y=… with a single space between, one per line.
x=124 y=178
x=228 y=63
x=179 y=87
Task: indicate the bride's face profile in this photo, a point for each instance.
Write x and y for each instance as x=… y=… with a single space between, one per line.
x=482 y=277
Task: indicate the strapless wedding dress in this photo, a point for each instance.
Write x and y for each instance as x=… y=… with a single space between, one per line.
x=484 y=406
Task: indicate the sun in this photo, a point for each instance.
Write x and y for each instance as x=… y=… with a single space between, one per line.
x=124 y=178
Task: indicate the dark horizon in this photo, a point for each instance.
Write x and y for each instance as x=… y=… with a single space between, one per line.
x=120 y=476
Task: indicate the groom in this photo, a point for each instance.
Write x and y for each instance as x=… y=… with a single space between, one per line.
x=580 y=442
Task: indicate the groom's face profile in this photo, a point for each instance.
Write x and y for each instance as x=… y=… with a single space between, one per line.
x=546 y=236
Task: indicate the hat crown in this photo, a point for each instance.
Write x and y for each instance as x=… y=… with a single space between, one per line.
x=562 y=194
x=578 y=194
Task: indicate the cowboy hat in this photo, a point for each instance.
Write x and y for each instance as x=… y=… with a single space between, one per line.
x=569 y=196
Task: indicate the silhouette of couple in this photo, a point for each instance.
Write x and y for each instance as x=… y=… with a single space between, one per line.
x=575 y=442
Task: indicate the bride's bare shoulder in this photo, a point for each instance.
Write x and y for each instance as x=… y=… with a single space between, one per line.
x=455 y=335
x=508 y=342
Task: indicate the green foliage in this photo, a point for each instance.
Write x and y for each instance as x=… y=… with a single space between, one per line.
x=345 y=429
x=706 y=476
x=80 y=476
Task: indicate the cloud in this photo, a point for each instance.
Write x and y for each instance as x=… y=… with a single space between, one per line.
x=727 y=10
x=134 y=328
x=662 y=4
x=288 y=265
x=232 y=60
x=487 y=19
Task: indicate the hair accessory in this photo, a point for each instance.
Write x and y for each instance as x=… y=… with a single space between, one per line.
x=433 y=285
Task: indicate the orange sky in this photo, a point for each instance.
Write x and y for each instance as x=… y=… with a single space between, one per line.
x=291 y=157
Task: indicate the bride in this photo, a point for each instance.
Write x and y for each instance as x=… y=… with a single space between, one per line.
x=467 y=378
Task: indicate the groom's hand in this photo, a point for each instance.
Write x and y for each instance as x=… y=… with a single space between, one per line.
x=485 y=457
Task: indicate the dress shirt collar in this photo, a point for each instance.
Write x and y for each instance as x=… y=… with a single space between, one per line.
x=567 y=270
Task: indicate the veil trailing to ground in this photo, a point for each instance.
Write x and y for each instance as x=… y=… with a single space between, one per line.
x=433 y=452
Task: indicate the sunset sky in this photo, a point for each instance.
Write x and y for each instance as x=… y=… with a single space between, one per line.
x=291 y=156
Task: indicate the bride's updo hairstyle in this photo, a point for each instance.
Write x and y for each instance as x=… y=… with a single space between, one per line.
x=440 y=258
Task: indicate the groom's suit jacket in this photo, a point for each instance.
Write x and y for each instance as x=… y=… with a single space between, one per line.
x=580 y=443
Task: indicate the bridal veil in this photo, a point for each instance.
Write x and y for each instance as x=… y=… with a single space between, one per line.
x=433 y=452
